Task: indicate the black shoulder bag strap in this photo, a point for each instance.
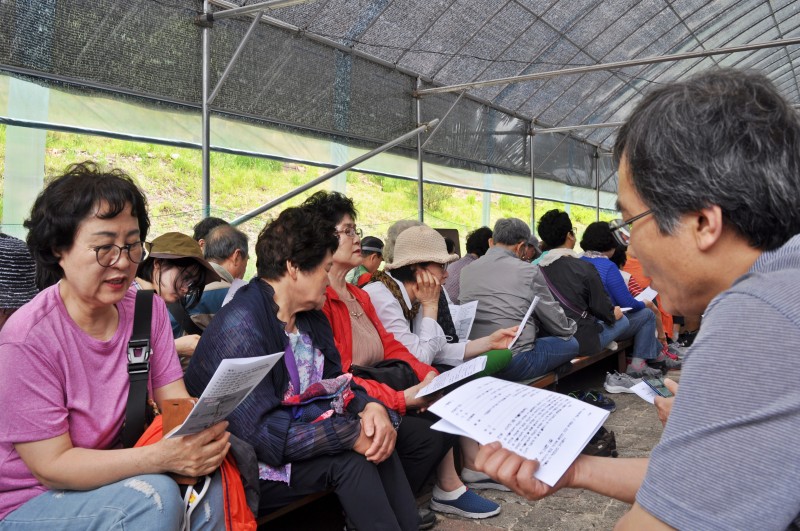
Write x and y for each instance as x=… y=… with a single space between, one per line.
x=561 y=298
x=184 y=319
x=138 y=369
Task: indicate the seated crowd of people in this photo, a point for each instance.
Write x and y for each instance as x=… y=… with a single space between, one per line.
x=340 y=410
x=300 y=302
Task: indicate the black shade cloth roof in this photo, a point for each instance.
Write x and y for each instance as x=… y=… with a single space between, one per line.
x=346 y=69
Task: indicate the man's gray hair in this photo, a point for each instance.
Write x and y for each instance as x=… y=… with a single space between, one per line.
x=223 y=241
x=510 y=231
x=725 y=138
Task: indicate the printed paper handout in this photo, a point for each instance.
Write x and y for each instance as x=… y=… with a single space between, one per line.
x=233 y=380
x=647 y=295
x=463 y=316
x=522 y=324
x=456 y=374
x=534 y=423
x=645 y=392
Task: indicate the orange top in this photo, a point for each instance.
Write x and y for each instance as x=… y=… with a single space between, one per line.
x=634 y=267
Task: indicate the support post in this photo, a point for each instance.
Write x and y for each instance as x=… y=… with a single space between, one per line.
x=420 y=203
x=533 y=182
x=206 y=118
x=596 y=164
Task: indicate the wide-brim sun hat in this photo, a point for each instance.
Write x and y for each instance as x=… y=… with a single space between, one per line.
x=419 y=244
x=17 y=273
x=173 y=245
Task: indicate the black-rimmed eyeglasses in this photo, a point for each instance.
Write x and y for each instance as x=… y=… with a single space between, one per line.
x=350 y=232
x=621 y=228
x=108 y=255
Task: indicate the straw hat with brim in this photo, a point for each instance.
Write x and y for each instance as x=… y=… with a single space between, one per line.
x=17 y=273
x=172 y=245
x=416 y=245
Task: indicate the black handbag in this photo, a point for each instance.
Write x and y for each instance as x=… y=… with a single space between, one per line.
x=395 y=373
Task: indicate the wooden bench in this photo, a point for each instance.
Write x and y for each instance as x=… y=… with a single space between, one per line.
x=286 y=509
x=551 y=378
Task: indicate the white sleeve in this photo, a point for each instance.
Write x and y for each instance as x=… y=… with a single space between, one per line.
x=425 y=344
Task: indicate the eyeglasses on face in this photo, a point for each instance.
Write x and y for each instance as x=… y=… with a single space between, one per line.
x=109 y=254
x=443 y=267
x=350 y=232
x=621 y=228
x=190 y=281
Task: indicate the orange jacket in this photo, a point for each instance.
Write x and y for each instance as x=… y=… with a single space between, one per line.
x=339 y=316
x=238 y=516
x=634 y=267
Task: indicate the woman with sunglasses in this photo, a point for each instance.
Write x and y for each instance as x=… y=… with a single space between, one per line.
x=64 y=379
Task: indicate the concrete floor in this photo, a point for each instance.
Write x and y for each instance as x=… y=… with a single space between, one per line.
x=637 y=430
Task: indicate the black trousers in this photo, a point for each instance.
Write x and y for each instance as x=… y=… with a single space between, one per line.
x=420 y=448
x=373 y=496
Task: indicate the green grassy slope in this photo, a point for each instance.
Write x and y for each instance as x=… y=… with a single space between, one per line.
x=170 y=177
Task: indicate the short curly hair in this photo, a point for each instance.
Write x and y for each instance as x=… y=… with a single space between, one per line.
x=553 y=228
x=299 y=235
x=478 y=241
x=598 y=237
x=66 y=201
x=331 y=205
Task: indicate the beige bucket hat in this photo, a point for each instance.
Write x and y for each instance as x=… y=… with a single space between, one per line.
x=420 y=244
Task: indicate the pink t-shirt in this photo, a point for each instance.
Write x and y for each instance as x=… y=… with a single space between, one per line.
x=56 y=379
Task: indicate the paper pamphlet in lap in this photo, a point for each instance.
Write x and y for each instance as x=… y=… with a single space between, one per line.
x=233 y=380
x=647 y=295
x=533 y=423
x=456 y=374
x=463 y=316
x=534 y=302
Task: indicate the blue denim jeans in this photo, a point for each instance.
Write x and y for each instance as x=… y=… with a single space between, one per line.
x=643 y=331
x=610 y=333
x=150 y=501
x=547 y=354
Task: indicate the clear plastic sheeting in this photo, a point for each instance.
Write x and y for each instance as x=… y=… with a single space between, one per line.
x=105 y=114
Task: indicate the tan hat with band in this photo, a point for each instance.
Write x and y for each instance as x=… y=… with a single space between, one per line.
x=416 y=245
x=172 y=245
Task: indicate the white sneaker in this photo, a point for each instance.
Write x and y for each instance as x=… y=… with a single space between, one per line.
x=620 y=383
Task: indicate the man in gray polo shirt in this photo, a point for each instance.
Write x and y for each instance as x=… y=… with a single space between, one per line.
x=504 y=286
x=709 y=187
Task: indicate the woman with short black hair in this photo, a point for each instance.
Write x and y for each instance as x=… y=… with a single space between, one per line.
x=64 y=375
x=340 y=439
